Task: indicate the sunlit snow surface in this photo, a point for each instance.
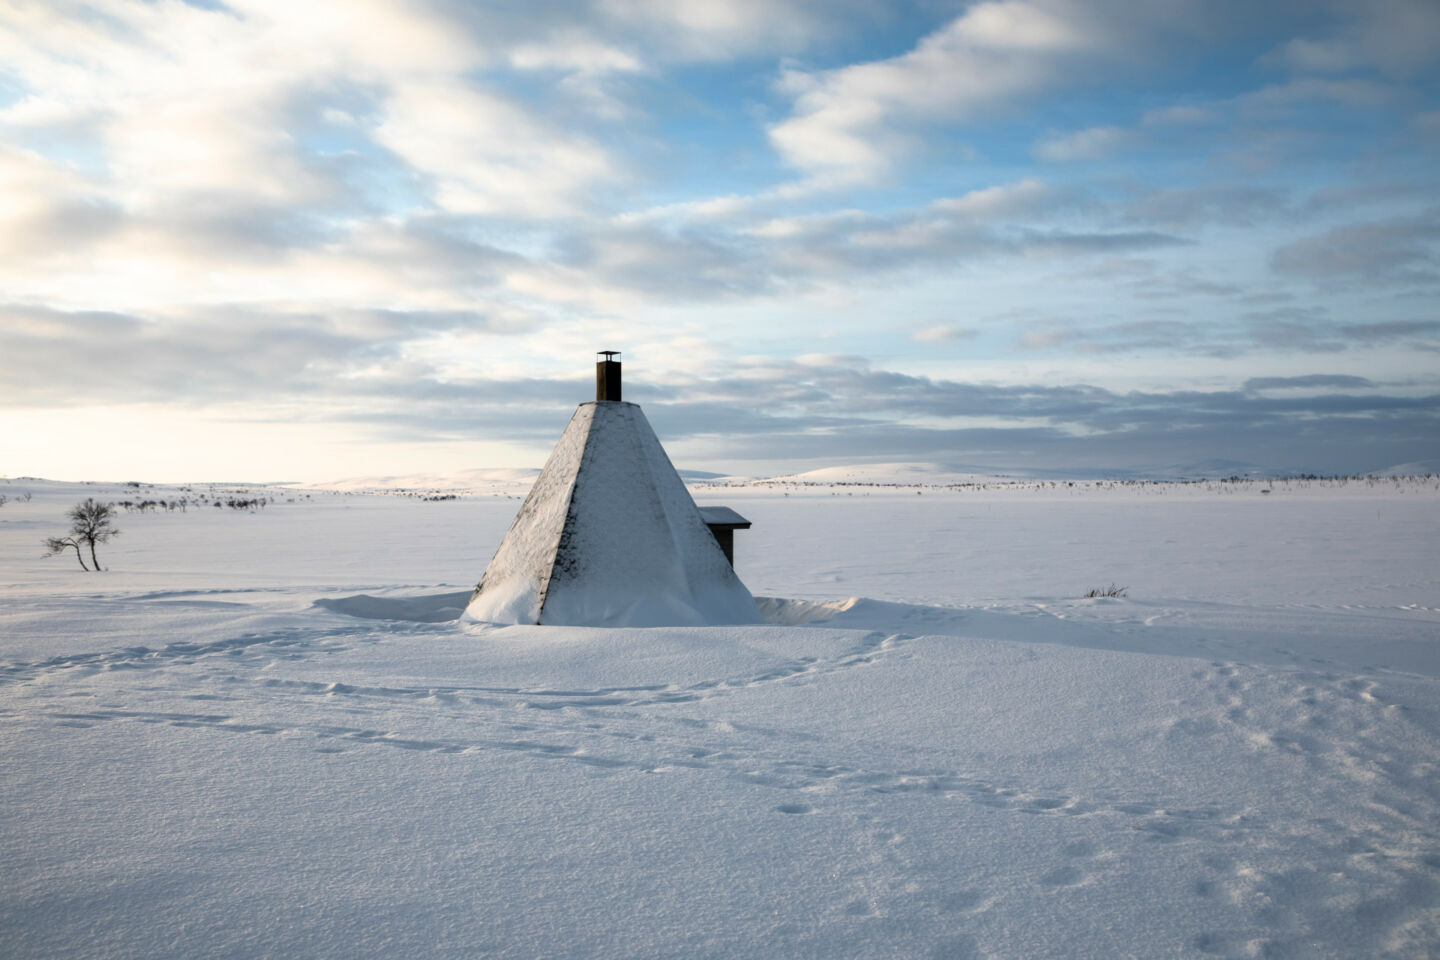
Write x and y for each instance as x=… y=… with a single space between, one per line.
x=259 y=734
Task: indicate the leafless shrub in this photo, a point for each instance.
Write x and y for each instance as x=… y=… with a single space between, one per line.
x=54 y=545
x=91 y=522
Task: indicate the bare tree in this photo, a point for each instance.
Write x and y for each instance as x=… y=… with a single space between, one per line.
x=91 y=523
x=54 y=545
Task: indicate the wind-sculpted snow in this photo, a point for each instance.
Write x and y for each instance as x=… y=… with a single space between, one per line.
x=436 y=608
x=298 y=765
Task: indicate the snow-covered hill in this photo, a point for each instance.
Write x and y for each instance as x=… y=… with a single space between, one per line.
x=478 y=480
x=887 y=474
x=1419 y=468
x=503 y=480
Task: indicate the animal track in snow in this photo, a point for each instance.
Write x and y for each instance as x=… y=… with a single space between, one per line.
x=1066 y=876
x=794 y=808
x=807 y=783
x=614 y=747
x=291 y=643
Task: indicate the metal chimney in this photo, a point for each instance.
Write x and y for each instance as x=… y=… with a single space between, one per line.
x=607 y=376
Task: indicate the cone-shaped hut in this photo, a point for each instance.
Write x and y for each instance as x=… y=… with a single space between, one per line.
x=609 y=536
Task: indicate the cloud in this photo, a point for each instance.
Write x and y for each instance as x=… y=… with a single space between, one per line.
x=1153 y=336
x=1392 y=36
x=1414 y=334
x=271 y=105
x=1331 y=444
x=1308 y=382
x=1182 y=286
x=1230 y=205
x=1095 y=143
x=851 y=123
x=1309 y=331
x=577 y=54
x=1022 y=199
x=721 y=31
x=1294 y=329
x=75 y=358
x=486 y=155
x=1341 y=424
x=945 y=333
x=1049 y=337
x=46 y=210
x=1355 y=92
x=857 y=123
x=1377 y=249
x=361 y=370
x=341 y=205
x=1182 y=114
x=1283 y=329
x=794 y=254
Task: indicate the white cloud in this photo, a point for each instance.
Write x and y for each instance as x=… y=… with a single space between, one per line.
x=263 y=188
x=575 y=54
x=488 y=155
x=1316 y=56
x=1041 y=339
x=723 y=29
x=208 y=153
x=851 y=123
x=652 y=259
x=1008 y=200
x=185 y=100
x=1012 y=25
x=945 y=333
x=45 y=210
x=1093 y=144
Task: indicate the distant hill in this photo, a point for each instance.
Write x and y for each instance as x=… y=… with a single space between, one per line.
x=939 y=474
x=476 y=479
x=480 y=478
x=905 y=473
x=702 y=475
x=936 y=474
x=1419 y=468
x=1213 y=469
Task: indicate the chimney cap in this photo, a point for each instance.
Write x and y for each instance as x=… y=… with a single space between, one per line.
x=609 y=355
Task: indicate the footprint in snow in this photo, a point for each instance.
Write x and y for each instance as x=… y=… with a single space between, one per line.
x=956 y=948
x=1066 y=876
x=962 y=901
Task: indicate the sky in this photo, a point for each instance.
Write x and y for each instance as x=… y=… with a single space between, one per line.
x=306 y=240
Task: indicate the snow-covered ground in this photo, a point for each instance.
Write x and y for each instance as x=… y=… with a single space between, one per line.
x=261 y=734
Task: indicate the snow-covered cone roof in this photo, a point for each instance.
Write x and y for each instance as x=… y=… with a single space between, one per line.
x=609 y=536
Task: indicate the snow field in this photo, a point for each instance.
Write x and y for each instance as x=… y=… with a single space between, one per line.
x=1237 y=759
